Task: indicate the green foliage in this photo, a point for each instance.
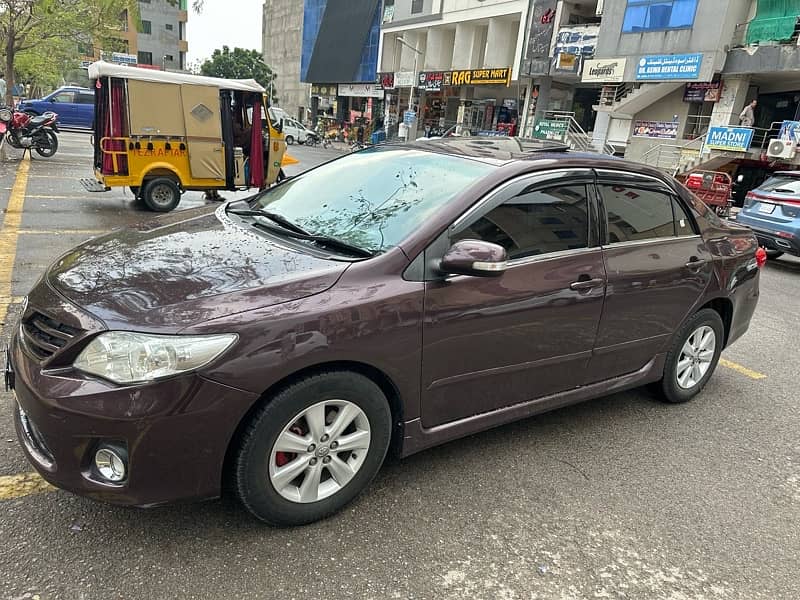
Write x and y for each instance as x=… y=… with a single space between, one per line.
x=239 y=64
x=45 y=34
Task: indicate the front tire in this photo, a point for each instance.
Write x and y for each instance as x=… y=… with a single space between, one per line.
x=49 y=146
x=289 y=140
x=161 y=194
x=313 y=448
x=693 y=356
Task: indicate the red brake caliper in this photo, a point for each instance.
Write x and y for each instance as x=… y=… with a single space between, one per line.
x=281 y=458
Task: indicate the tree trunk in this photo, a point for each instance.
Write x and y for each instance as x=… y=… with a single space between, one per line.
x=9 y=68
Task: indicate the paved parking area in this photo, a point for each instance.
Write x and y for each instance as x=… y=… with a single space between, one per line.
x=621 y=497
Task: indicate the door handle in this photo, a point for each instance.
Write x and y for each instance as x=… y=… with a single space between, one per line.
x=695 y=263
x=585 y=284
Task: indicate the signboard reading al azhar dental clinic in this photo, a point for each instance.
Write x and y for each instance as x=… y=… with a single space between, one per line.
x=732 y=139
x=669 y=66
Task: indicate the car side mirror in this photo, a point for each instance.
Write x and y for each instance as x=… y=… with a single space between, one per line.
x=475 y=258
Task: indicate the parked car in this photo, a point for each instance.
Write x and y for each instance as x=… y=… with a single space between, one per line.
x=772 y=211
x=390 y=300
x=73 y=105
x=295 y=131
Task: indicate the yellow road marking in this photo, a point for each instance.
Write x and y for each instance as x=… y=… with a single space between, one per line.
x=740 y=369
x=22 y=484
x=63 y=231
x=8 y=234
x=52 y=197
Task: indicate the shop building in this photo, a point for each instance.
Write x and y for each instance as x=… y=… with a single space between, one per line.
x=678 y=73
x=446 y=63
x=159 y=39
x=339 y=60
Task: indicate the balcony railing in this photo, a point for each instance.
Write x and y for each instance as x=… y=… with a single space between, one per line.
x=746 y=34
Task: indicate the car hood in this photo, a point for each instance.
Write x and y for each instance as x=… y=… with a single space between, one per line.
x=186 y=268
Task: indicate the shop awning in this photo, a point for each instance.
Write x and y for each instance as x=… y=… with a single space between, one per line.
x=775 y=21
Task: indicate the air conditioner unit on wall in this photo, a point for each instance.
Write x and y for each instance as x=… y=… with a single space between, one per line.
x=780 y=149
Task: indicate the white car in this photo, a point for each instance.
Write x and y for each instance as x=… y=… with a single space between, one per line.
x=294 y=131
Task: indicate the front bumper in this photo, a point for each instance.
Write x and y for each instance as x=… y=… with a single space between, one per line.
x=176 y=431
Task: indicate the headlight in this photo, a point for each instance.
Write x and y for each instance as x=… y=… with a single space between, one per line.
x=126 y=357
x=6 y=114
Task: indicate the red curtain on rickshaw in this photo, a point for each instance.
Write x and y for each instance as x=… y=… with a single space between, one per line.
x=257 y=149
x=114 y=127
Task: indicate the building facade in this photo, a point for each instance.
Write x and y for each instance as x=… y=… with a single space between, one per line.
x=282 y=46
x=159 y=39
x=339 y=60
x=447 y=63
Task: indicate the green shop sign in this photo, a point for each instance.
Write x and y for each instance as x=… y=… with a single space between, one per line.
x=550 y=129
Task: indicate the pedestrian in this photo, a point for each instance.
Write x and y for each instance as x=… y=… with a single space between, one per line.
x=747 y=117
x=3 y=89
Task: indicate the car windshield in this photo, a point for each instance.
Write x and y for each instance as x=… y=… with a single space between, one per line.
x=781 y=184
x=375 y=198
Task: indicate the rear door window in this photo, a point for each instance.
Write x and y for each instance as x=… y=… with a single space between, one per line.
x=637 y=213
x=84 y=98
x=64 y=98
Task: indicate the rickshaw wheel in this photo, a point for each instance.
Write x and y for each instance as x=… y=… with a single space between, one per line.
x=161 y=194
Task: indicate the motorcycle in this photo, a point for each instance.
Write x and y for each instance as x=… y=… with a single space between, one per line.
x=21 y=130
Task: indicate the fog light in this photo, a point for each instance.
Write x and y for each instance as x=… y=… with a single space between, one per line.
x=110 y=464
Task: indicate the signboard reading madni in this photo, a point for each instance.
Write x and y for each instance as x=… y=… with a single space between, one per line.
x=664 y=67
x=732 y=139
x=605 y=70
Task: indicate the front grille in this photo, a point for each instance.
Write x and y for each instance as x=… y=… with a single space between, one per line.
x=44 y=336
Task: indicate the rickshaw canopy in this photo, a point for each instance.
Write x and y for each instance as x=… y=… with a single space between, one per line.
x=105 y=69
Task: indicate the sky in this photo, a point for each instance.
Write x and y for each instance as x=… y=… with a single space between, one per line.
x=221 y=24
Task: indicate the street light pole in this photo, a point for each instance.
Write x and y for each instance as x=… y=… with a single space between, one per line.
x=416 y=57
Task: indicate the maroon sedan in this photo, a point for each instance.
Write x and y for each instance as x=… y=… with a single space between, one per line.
x=389 y=300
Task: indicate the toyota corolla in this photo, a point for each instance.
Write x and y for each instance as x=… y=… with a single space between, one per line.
x=387 y=301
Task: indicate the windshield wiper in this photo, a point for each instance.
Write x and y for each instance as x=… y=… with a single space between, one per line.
x=320 y=240
x=274 y=217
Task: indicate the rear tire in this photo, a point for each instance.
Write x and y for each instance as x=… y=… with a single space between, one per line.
x=329 y=461
x=692 y=357
x=51 y=147
x=161 y=194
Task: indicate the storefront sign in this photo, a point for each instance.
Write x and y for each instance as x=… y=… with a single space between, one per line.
x=124 y=59
x=479 y=77
x=540 y=36
x=431 y=81
x=566 y=62
x=732 y=139
x=702 y=92
x=605 y=70
x=669 y=66
x=551 y=129
x=656 y=129
x=577 y=39
x=361 y=90
x=324 y=90
x=404 y=79
x=386 y=80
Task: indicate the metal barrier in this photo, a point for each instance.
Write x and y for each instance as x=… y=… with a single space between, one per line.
x=577 y=138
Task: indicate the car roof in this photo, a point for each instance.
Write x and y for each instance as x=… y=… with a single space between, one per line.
x=76 y=88
x=496 y=150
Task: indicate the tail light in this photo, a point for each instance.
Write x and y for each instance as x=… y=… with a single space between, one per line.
x=761 y=257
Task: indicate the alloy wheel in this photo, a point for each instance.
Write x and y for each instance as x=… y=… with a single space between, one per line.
x=319 y=451
x=696 y=357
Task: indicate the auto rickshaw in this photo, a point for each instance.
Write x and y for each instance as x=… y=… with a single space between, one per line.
x=161 y=134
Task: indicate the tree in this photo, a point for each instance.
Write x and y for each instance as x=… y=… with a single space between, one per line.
x=239 y=64
x=26 y=25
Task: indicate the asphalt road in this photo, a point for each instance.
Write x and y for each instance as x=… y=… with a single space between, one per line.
x=621 y=497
